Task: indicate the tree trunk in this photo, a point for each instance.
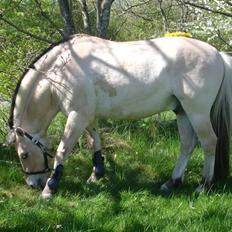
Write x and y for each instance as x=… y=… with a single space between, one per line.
x=85 y=16
x=103 y=16
x=164 y=17
x=67 y=17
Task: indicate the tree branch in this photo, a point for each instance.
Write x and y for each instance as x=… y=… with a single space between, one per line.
x=142 y=16
x=115 y=33
x=207 y=9
x=44 y=14
x=103 y=16
x=222 y=39
x=66 y=14
x=164 y=17
x=98 y=16
x=229 y=3
x=85 y=16
x=24 y=31
x=135 y=5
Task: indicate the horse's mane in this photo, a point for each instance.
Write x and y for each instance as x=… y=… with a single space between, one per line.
x=31 y=66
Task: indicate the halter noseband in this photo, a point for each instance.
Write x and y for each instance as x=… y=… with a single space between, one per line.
x=45 y=154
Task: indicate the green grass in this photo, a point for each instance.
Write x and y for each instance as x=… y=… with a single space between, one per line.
x=139 y=158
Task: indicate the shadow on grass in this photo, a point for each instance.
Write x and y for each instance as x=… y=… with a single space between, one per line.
x=151 y=128
x=133 y=179
x=78 y=170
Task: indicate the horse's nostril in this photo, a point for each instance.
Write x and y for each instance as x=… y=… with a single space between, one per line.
x=32 y=185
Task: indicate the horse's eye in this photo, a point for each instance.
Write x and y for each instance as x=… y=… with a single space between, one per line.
x=24 y=155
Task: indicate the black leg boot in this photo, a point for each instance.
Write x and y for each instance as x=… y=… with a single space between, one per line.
x=98 y=167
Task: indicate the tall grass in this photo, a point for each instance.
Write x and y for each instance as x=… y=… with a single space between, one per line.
x=140 y=156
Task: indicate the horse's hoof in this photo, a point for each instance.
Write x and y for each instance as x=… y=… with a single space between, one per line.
x=47 y=193
x=92 y=179
x=200 y=189
x=164 y=189
x=204 y=186
x=167 y=187
x=96 y=175
x=171 y=184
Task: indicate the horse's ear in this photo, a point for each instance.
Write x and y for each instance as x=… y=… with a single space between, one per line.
x=10 y=139
x=19 y=132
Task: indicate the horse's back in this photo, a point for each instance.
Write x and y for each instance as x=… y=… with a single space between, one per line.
x=136 y=79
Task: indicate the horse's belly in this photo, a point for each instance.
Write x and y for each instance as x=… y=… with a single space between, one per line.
x=135 y=108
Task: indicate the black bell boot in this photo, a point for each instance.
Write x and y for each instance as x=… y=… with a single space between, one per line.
x=98 y=167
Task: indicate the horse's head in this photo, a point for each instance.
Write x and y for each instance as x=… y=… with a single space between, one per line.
x=34 y=154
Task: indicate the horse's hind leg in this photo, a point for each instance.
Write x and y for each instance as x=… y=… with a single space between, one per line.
x=98 y=160
x=188 y=142
x=202 y=126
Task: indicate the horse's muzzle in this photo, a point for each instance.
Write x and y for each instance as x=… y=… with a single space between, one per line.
x=36 y=181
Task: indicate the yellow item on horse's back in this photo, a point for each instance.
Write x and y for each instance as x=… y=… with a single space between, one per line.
x=177 y=33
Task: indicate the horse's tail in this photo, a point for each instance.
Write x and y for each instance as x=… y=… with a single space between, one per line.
x=221 y=120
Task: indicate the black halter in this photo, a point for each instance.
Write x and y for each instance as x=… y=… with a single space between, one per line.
x=45 y=155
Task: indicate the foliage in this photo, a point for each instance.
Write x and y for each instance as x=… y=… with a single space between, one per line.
x=214 y=28
x=18 y=49
x=144 y=20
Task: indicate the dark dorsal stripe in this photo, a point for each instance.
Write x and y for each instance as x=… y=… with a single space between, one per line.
x=31 y=66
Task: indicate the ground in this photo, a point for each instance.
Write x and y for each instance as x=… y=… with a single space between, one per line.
x=140 y=156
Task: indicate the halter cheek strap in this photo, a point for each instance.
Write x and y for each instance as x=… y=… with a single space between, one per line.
x=45 y=170
x=45 y=155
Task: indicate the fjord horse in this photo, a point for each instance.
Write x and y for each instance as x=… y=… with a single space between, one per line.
x=88 y=78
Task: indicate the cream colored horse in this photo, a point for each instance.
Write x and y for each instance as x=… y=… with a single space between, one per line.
x=88 y=78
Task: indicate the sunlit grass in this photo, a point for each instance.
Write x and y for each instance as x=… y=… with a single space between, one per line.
x=139 y=158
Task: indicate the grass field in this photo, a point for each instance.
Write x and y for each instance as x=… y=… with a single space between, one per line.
x=139 y=158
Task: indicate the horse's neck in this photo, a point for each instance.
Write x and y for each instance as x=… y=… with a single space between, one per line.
x=24 y=96
x=39 y=110
x=37 y=125
x=24 y=99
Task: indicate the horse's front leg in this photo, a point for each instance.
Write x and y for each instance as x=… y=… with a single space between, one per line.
x=98 y=160
x=75 y=125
